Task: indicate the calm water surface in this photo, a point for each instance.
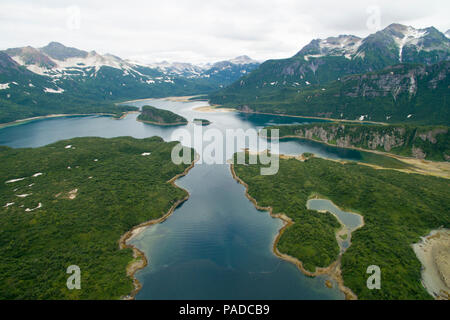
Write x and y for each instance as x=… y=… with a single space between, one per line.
x=216 y=245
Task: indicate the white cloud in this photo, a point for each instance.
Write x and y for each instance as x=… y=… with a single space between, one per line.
x=198 y=30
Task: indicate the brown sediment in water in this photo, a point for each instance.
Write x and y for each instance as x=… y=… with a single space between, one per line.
x=333 y=270
x=140 y=260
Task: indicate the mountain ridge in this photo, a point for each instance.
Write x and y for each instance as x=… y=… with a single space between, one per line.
x=287 y=85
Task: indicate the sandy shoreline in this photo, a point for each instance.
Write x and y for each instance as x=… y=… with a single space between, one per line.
x=163 y=124
x=213 y=108
x=140 y=260
x=171 y=98
x=433 y=251
x=333 y=270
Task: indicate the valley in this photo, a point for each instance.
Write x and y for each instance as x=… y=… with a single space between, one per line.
x=361 y=180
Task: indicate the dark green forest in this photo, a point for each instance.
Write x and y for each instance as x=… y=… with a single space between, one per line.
x=116 y=187
x=397 y=208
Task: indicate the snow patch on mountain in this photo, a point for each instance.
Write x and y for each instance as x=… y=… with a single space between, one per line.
x=411 y=36
x=343 y=45
x=4 y=86
x=243 y=60
x=50 y=90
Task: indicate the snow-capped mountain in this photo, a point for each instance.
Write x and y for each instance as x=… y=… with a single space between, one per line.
x=398 y=42
x=178 y=68
x=58 y=61
x=343 y=45
x=407 y=44
x=323 y=62
x=243 y=60
x=447 y=33
x=190 y=70
x=34 y=81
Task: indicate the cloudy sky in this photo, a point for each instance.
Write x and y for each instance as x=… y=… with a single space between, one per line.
x=204 y=30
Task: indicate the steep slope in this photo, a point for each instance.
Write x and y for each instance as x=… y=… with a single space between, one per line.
x=422 y=142
x=60 y=79
x=60 y=52
x=323 y=61
x=401 y=93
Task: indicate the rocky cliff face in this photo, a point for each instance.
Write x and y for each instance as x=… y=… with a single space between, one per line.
x=394 y=81
x=421 y=143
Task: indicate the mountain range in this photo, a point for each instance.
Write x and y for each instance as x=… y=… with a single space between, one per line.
x=317 y=80
x=39 y=81
x=398 y=74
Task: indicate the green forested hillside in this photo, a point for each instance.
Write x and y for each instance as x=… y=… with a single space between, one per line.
x=397 y=208
x=77 y=198
x=401 y=93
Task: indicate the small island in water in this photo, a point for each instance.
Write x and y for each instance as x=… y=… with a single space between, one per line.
x=160 y=117
x=202 y=122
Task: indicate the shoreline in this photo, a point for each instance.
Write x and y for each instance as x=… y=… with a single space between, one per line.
x=140 y=260
x=62 y=115
x=170 y=98
x=213 y=108
x=420 y=166
x=333 y=270
x=344 y=229
x=163 y=124
x=435 y=273
x=312 y=117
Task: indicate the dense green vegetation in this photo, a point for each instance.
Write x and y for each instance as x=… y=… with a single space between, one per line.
x=429 y=142
x=410 y=93
x=159 y=116
x=397 y=207
x=26 y=98
x=116 y=188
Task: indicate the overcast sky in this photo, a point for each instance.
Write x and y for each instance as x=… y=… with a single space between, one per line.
x=204 y=30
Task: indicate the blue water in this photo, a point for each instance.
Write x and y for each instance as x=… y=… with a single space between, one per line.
x=216 y=245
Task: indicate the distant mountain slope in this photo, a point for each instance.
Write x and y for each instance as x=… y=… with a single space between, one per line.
x=401 y=93
x=322 y=61
x=58 y=51
x=60 y=79
x=58 y=61
x=278 y=83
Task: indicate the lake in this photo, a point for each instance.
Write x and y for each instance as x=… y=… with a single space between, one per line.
x=216 y=245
